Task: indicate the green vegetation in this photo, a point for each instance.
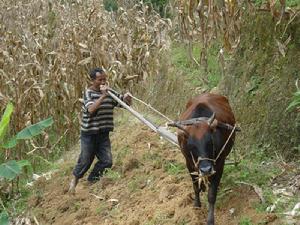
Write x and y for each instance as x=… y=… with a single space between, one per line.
x=245 y=221
x=12 y=168
x=295 y=101
x=120 y=155
x=154 y=158
x=112 y=174
x=158 y=219
x=250 y=168
x=263 y=83
x=174 y=168
x=136 y=183
x=289 y=3
x=259 y=82
x=195 y=75
x=110 y=5
x=159 y=6
x=257 y=169
x=4 y=218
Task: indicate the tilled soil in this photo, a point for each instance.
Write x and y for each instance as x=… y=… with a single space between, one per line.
x=140 y=189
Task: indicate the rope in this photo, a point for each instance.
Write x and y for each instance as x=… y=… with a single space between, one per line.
x=226 y=142
x=149 y=106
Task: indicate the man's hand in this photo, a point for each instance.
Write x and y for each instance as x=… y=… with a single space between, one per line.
x=127 y=98
x=104 y=89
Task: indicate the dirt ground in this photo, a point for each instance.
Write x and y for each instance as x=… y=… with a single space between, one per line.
x=141 y=189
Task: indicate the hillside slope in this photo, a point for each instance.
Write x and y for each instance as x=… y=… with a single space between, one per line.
x=260 y=81
x=148 y=184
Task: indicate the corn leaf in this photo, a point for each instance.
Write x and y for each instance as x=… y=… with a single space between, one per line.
x=5 y=120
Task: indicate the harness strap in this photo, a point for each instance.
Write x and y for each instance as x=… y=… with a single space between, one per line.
x=233 y=129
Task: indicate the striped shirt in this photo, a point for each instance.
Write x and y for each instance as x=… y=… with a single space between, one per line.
x=102 y=119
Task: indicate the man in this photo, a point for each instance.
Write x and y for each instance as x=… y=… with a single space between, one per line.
x=97 y=122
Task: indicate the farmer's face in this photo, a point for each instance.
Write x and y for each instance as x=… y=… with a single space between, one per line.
x=100 y=79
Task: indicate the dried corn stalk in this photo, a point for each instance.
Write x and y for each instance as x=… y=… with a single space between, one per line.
x=48 y=47
x=206 y=20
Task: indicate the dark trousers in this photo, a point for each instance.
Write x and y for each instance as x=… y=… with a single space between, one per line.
x=93 y=145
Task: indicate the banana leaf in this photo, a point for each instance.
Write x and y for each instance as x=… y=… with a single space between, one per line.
x=10 y=169
x=4 y=218
x=34 y=130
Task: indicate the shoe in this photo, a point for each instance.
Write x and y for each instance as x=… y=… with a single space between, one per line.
x=73 y=185
x=93 y=180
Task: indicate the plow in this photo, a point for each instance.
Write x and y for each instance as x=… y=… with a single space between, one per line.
x=164 y=132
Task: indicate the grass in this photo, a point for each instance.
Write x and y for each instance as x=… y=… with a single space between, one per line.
x=18 y=205
x=194 y=74
x=157 y=219
x=183 y=222
x=257 y=168
x=112 y=174
x=77 y=205
x=289 y=3
x=154 y=158
x=101 y=208
x=245 y=221
x=138 y=182
x=120 y=155
x=174 y=168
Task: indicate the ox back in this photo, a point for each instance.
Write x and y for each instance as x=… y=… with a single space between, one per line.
x=202 y=142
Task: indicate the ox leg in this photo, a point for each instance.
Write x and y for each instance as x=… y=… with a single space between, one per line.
x=197 y=202
x=212 y=195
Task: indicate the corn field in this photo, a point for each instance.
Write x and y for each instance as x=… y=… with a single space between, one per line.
x=206 y=21
x=48 y=47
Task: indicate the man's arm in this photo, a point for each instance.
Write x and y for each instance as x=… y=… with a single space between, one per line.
x=92 y=108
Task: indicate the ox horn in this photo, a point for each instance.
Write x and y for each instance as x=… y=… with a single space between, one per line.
x=174 y=124
x=211 y=119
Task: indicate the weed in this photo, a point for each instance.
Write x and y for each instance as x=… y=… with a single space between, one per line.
x=121 y=155
x=114 y=212
x=101 y=208
x=137 y=183
x=183 y=222
x=158 y=219
x=77 y=205
x=245 y=221
x=133 y=185
x=154 y=158
x=114 y=175
x=174 y=168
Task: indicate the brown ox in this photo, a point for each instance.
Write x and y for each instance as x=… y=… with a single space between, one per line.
x=205 y=142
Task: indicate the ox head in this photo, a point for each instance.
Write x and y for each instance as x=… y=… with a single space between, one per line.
x=199 y=142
